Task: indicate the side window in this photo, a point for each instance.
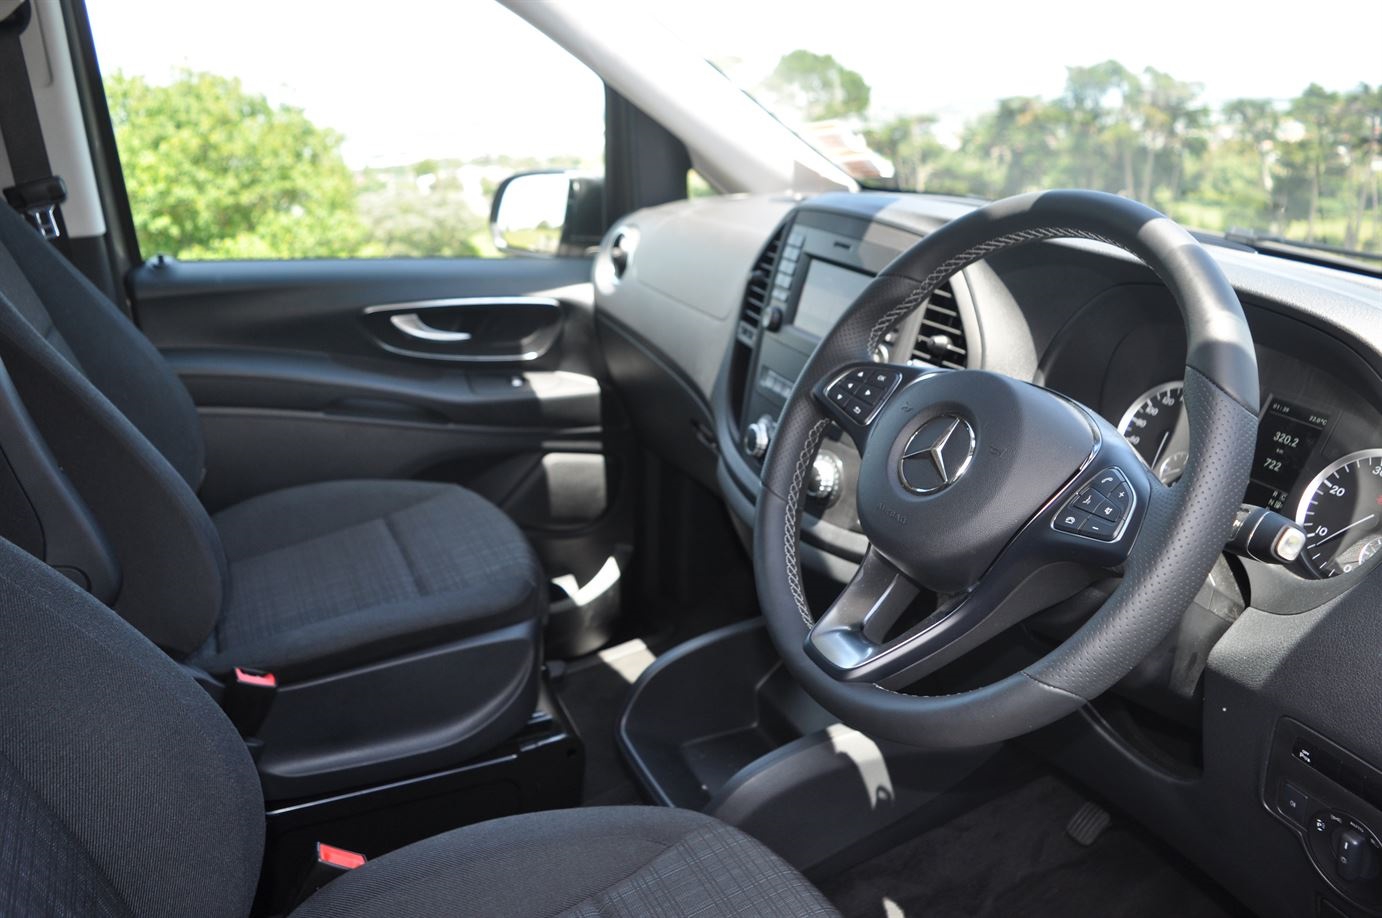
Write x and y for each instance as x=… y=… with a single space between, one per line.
x=331 y=131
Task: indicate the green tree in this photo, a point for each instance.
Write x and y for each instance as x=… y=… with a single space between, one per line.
x=1169 y=122
x=818 y=86
x=1256 y=126
x=214 y=171
x=1316 y=110
x=909 y=143
x=1360 y=145
x=421 y=211
x=1097 y=106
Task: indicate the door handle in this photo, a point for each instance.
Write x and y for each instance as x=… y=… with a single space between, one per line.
x=411 y=324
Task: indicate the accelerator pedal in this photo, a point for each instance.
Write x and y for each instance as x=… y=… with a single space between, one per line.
x=1088 y=823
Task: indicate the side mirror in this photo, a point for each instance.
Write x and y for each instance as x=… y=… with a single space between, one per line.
x=548 y=213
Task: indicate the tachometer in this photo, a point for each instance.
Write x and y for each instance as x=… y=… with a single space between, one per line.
x=1341 y=513
x=1152 y=424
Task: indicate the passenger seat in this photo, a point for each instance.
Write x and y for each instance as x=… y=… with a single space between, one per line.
x=402 y=619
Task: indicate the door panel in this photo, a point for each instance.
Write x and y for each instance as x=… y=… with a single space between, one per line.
x=319 y=306
x=300 y=374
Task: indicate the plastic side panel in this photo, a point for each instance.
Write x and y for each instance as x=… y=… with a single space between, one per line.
x=685 y=281
x=400 y=718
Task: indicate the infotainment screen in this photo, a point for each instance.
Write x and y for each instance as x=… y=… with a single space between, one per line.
x=825 y=293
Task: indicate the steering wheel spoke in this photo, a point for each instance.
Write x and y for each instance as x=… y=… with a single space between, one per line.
x=852 y=634
x=1081 y=535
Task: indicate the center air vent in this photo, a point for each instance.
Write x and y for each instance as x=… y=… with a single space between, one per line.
x=941 y=338
x=756 y=293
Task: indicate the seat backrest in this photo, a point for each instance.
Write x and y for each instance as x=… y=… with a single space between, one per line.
x=123 y=788
x=123 y=428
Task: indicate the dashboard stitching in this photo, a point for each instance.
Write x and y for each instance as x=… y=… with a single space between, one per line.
x=948 y=268
x=792 y=532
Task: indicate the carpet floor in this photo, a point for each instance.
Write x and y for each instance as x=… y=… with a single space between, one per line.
x=1012 y=856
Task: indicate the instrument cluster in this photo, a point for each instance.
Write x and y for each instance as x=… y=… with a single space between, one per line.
x=1307 y=466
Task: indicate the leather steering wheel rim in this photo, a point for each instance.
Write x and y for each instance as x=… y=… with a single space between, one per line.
x=1182 y=529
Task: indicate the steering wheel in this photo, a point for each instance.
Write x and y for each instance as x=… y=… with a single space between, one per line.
x=998 y=496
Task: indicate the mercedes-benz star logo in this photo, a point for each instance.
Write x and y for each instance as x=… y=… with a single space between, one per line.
x=937 y=455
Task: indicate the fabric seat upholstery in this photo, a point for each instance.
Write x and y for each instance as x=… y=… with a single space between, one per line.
x=125 y=791
x=341 y=573
x=307 y=580
x=609 y=862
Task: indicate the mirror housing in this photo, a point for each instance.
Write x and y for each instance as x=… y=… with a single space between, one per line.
x=547 y=213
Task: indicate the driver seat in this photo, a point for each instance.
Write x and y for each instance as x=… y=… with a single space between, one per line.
x=124 y=790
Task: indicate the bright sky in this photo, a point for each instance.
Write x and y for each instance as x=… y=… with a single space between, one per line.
x=413 y=79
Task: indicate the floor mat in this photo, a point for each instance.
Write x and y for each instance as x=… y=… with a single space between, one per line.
x=1012 y=856
x=593 y=690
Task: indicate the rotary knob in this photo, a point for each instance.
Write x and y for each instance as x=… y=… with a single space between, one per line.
x=757 y=436
x=826 y=475
x=1354 y=858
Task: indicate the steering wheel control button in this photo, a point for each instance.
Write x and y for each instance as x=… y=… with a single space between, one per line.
x=1098 y=528
x=1098 y=508
x=937 y=455
x=859 y=393
x=1112 y=484
x=1089 y=500
x=1070 y=520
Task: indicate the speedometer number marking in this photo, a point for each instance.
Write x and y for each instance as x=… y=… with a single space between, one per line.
x=1341 y=513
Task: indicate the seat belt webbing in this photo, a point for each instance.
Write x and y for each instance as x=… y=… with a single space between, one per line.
x=36 y=193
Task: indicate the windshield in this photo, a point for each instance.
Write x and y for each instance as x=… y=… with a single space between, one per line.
x=1227 y=117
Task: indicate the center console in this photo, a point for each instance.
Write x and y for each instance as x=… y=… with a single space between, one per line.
x=813 y=267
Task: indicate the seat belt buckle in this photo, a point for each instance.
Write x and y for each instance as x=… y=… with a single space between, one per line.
x=38 y=201
x=248 y=697
x=331 y=863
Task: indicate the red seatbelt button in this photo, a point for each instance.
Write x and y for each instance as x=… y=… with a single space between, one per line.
x=255 y=677
x=339 y=857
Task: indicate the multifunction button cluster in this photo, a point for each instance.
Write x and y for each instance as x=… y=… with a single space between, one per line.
x=782 y=284
x=1099 y=508
x=859 y=392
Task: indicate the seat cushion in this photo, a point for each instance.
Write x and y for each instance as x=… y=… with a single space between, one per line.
x=342 y=573
x=610 y=862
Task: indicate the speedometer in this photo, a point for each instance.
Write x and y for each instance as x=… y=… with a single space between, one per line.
x=1341 y=513
x=1152 y=424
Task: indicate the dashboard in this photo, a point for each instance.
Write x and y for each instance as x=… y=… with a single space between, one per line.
x=1251 y=740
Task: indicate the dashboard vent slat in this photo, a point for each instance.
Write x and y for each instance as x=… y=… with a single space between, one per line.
x=760 y=282
x=941 y=338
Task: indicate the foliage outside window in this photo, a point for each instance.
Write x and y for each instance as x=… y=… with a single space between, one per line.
x=215 y=172
x=1308 y=168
